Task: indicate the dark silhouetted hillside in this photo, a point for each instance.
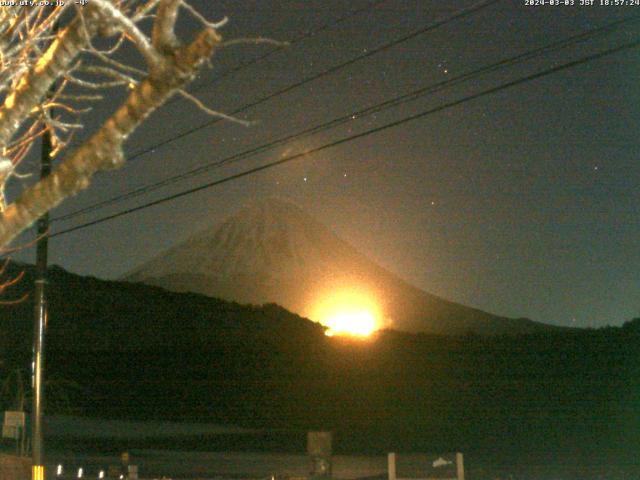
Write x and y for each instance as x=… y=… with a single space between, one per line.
x=141 y=352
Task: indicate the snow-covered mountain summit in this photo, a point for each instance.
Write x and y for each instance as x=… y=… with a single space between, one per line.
x=270 y=241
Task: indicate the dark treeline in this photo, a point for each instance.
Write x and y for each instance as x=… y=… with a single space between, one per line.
x=143 y=353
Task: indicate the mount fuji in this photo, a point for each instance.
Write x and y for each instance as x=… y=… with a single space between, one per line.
x=273 y=252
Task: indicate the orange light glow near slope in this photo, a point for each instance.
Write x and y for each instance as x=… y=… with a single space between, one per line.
x=351 y=312
x=355 y=323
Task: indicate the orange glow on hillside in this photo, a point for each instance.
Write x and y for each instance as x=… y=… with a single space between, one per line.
x=347 y=312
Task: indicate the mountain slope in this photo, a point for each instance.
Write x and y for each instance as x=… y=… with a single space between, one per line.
x=272 y=251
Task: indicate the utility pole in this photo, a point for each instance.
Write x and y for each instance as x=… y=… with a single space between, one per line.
x=40 y=310
x=40 y=323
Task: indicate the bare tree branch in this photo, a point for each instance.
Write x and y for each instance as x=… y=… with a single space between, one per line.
x=36 y=82
x=113 y=15
x=103 y=151
x=36 y=58
x=211 y=112
x=163 y=36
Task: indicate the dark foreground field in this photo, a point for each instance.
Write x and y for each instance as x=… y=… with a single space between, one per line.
x=551 y=400
x=190 y=451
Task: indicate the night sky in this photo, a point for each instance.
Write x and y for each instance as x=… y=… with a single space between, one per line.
x=522 y=203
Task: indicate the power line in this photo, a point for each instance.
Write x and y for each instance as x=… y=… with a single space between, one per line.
x=398 y=100
x=258 y=59
x=425 y=113
x=458 y=14
x=303 y=36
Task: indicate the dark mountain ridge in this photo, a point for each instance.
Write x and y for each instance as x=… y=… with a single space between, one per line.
x=142 y=352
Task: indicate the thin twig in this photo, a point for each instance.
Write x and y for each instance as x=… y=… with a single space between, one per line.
x=215 y=25
x=211 y=112
x=254 y=41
